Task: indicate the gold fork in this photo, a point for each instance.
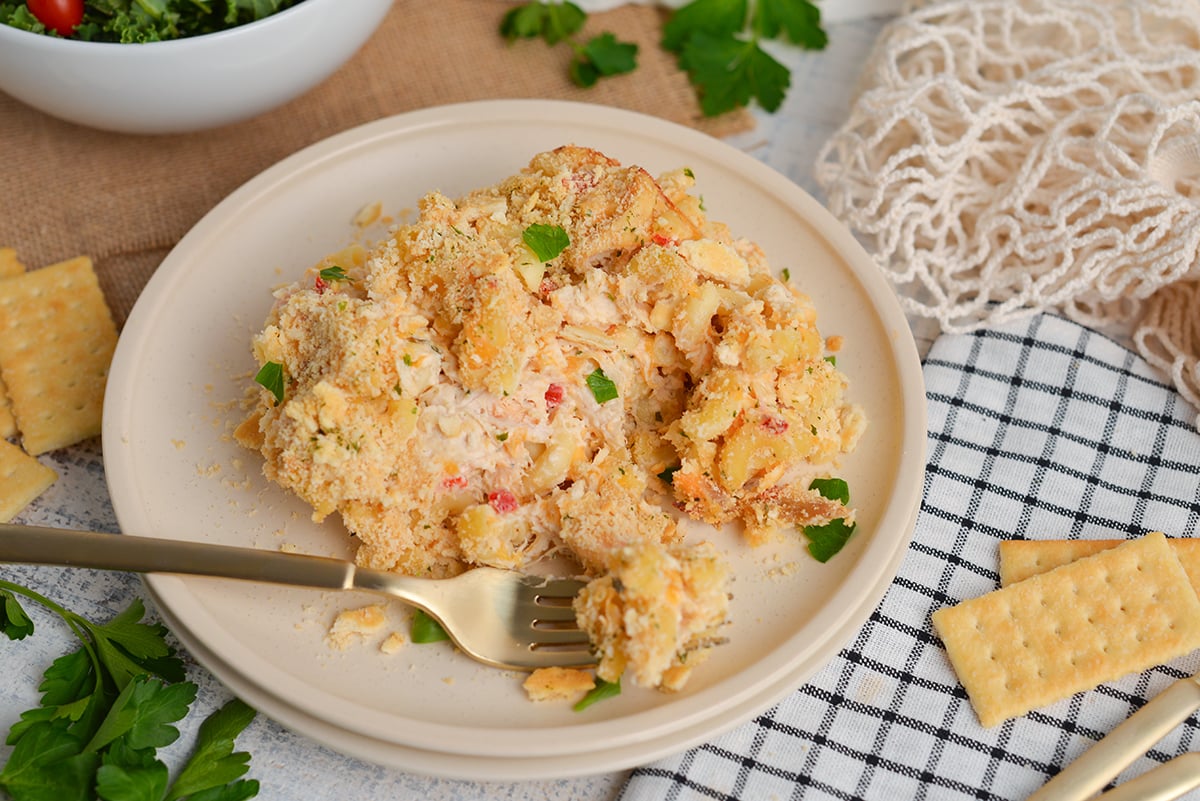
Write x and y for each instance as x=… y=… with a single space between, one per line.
x=1099 y=765
x=499 y=617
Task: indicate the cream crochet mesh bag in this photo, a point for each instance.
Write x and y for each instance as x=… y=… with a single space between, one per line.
x=1006 y=157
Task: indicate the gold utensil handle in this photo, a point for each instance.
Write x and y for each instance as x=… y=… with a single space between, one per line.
x=1097 y=766
x=55 y=546
x=1164 y=783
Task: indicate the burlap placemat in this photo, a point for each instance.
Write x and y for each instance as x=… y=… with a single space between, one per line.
x=126 y=200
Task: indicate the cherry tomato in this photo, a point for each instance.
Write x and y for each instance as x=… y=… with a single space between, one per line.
x=60 y=16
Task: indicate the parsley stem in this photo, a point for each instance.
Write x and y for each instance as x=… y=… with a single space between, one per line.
x=78 y=625
x=33 y=595
x=756 y=22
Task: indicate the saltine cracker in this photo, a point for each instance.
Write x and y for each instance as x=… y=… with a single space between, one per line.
x=1058 y=633
x=10 y=266
x=1020 y=559
x=57 y=339
x=22 y=478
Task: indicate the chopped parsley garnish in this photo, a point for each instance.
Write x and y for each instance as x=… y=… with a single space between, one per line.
x=106 y=708
x=602 y=690
x=425 y=629
x=558 y=21
x=270 y=376
x=669 y=474
x=835 y=489
x=333 y=274
x=602 y=387
x=546 y=241
x=825 y=541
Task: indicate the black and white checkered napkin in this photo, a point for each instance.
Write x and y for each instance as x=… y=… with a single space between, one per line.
x=1039 y=429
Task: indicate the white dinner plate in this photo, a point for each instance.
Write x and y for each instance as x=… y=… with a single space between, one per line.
x=183 y=363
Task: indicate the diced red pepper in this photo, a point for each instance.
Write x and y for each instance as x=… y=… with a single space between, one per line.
x=664 y=240
x=454 y=482
x=320 y=285
x=776 y=425
x=581 y=181
x=502 y=501
x=554 y=396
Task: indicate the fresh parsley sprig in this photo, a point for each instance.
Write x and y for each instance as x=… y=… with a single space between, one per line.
x=718 y=43
x=558 y=21
x=106 y=708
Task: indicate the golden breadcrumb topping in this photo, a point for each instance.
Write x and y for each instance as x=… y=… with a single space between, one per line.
x=461 y=397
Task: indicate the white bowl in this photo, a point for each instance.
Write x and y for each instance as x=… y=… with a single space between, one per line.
x=187 y=84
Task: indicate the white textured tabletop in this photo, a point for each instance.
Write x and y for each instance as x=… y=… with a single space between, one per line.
x=287 y=765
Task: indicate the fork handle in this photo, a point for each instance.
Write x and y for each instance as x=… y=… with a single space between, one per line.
x=56 y=546
x=1088 y=774
x=1168 y=781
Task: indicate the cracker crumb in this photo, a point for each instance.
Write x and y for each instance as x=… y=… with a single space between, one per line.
x=783 y=571
x=353 y=625
x=558 y=684
x=368 y=214
x=393 y=643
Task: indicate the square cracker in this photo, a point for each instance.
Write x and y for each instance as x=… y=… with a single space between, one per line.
x=1035 y=642
x=22 y=478
x=10 y=265
x=57 y=339
x=1020 y=559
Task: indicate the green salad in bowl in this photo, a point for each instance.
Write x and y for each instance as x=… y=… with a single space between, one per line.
x=133 y=21
x=174 y=66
